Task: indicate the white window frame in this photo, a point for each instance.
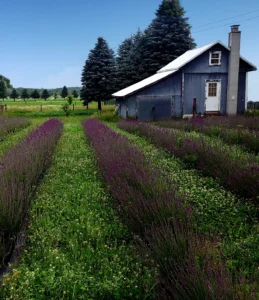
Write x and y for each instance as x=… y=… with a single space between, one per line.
x=220 y=55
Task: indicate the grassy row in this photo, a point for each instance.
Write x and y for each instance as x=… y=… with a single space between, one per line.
x=21 y=169
x=77 y=248
x=219 y=212
x=236 y=170
x=189 y=265
x=248 y=139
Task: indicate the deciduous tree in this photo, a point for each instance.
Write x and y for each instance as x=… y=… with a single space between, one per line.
x=14 y=94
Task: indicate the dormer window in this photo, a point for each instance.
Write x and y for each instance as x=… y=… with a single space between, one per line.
x=215 y=58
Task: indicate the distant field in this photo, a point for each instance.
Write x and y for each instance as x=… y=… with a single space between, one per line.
x=31 y=108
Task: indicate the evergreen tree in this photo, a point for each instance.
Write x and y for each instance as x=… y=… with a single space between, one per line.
x=75 y=94
x=55 y=96
x=64 y=92
x=35 y=95
x=3 y=89
x=98 y=76
x=24 y=94
x=45 y=95
x=167 y=37
x=14 y=95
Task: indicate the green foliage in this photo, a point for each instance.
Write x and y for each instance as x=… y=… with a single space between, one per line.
x=66 y=108
x=14 y=95
x=6 y=81
x=24 y=94
x=75 y=94
x=70 y=99
x=45 y=95
x=167 y=37
x=3 y=89
x=77 y=247
x=64 y=92
x=35 y=95
x=108 y=117
x=252 y=112
x=98 y=74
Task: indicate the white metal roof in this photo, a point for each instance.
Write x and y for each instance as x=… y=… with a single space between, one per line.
x=171 y=68
x=148 y=81
x=192 y=54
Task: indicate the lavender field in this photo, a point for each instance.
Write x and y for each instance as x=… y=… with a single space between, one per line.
x=93 y=210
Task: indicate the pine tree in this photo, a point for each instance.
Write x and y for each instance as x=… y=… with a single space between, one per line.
x=35 y=95
x=130 y=58
x=3 y=89
x=98 y=76
x=167 y=37
x=45 y=95
x=24 y=94
x=75 y=94
x=14 y=94
x=64 y=92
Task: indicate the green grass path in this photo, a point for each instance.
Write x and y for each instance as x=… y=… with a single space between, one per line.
x=220 y=213
x=13 y=138
x=76 y=248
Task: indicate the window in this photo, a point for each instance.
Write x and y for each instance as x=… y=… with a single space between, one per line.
x=212 y=89
x=215 y=58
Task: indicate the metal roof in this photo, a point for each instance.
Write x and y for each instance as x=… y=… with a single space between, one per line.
x=146 y=82
x=171 y=68
x=192 y=54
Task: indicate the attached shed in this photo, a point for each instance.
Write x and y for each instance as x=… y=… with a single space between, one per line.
x=216 y=75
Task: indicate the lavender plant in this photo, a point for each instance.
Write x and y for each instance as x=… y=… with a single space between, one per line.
x=237 y=173
x=164 y=225
x=8 y=125
x=20 y=171
x=245 y=134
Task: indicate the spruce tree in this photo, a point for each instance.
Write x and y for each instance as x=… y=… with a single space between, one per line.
x=35 y=95
x=167 y=37
x=98 y=76
x=24 y=94
x=14 y=94
x=75 y=94
x=45 y=95
x=64 y=92
x=3 y=89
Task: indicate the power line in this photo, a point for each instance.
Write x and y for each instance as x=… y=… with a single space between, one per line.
x=227 y=19
x=226 y=24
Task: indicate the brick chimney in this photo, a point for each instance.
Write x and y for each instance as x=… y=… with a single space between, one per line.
x=233 y=69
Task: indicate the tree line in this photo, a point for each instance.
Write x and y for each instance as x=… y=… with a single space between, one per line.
x=139 y=56
x=34 y=94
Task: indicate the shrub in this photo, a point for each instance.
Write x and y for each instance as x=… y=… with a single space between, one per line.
x=20 y=171
x=164 y=225
x=8 y=125
x=108 y=117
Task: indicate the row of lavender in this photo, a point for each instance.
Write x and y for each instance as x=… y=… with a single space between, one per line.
x=8 y=125
x=239 y=174
x=20 y=171
x=243 y=131
x=189 y=267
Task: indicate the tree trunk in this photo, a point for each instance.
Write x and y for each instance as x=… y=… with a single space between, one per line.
x=99 y=105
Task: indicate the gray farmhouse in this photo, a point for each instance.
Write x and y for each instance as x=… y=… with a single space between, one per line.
x=216 y=75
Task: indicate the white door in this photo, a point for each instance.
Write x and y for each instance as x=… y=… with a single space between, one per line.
x=213 y=93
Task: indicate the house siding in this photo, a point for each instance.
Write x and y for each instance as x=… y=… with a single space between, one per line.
x=194 y=87
x=241 y=98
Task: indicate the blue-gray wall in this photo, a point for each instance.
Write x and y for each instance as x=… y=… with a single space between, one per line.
x=166 y=95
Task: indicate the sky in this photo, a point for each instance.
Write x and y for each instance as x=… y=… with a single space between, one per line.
x=44 y=44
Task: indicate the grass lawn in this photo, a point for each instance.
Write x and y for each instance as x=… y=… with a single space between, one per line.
x=77 y=247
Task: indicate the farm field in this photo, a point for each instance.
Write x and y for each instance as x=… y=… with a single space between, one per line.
x=120 y=213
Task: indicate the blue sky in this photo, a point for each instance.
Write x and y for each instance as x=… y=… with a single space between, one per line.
x=45 y=43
